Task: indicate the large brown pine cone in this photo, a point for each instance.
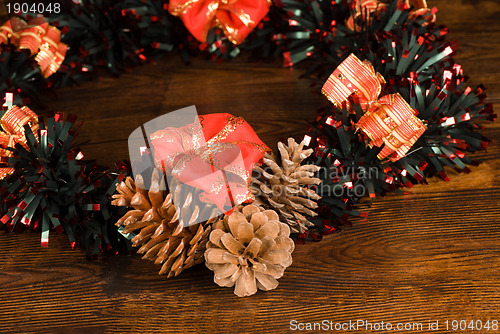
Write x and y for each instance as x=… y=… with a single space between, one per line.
x=281 y=185
x=160 y=235
x=250 y=249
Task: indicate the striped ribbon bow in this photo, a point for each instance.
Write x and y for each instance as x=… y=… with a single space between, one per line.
x=361 y=8
x=12 y=123
x=387 y=120
x=42 y=39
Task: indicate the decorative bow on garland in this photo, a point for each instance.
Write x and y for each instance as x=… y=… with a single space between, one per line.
x=221 y=166
x=12 y=123
x=42 y=39
x=237 y=18
x=364 y=8
x=387 y=120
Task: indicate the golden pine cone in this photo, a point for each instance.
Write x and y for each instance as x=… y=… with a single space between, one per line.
x=250 y=249
x=161 y=237
x=282 y=185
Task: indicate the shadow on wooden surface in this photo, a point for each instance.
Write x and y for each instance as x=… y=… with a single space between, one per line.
x=432 y=255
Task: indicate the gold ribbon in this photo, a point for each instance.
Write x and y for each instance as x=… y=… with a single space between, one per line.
x=40 y=38
x=369 y=7
x=13 y=122
x=388 y=120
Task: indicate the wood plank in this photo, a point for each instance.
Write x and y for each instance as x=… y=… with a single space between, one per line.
x=272 y=99
x=474 y=25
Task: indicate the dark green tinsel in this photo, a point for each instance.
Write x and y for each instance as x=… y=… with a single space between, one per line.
x=318 y=33
x=415 y=60
x=52 y=188
x=412 y=54
x=352 y=169
x=107 y=34
x=111 y=33
x=19 y=73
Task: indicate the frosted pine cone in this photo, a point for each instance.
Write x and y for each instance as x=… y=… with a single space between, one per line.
x=282 y=185
x=250 y=249
x=161 y=237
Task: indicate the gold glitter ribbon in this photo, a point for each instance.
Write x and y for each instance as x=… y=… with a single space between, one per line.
x=375 y=7
x=12 y=123
x=388 y=121
x=40 y=38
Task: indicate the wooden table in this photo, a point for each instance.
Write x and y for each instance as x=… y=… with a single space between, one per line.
x=432 y=255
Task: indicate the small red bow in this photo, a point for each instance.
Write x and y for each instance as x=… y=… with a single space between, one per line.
x=367 y=7
x=221 y=166
x=12 y=123
x=387 y=120
x=237 y=18
x=42 y=39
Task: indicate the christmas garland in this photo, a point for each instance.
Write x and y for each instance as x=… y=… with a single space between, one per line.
x=400 y=113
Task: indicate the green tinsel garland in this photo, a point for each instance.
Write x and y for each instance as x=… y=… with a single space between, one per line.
x=53 y=188
x=410 y=53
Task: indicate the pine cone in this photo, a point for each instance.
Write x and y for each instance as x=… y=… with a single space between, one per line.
x=250 y=249
x=162 y=237
x=282 y=187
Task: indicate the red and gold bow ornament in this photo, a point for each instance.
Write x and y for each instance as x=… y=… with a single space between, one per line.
x=368 y=7
x=12 y=123
x=215 y=155
x=237 y=18
x=387 y=120
x=42 y=39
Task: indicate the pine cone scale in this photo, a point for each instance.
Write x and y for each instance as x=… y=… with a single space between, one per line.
x=265 y=282
x=149 y=254
x=246 y=284
x=153 y=242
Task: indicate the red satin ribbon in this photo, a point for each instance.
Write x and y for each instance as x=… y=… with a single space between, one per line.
x=221 y=166
x=368 y=7
x=40 y=38
x=13 y=122
x=387 y=120
x=237 y=18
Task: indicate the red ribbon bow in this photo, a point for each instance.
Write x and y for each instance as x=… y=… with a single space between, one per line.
x=221 y=166
x=13 y=122
x=40 y=38
x=237 y=18
x=387 y=120
x=368 y=7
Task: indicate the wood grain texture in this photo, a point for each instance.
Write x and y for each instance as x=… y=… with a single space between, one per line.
x=431 y=255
